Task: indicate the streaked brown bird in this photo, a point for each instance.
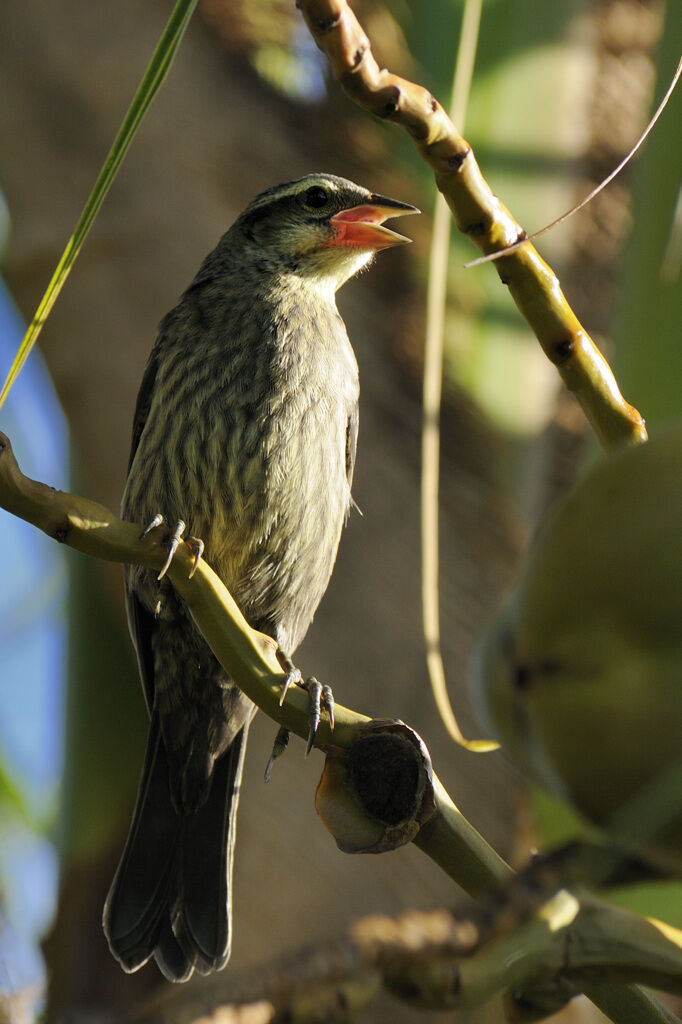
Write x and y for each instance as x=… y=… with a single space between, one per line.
x=244 y=432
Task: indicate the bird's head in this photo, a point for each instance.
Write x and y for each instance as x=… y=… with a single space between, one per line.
x=320 y=226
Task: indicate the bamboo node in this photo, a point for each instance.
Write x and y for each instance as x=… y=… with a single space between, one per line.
x=325 y=25
x=455 y=161
x=358 y=56
x=391 y=104
x=563 y=350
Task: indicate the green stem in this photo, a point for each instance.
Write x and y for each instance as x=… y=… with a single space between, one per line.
x=247 y=655
x=629 y=1004
x=431 y=399
x=447 y=838
x=453 y=843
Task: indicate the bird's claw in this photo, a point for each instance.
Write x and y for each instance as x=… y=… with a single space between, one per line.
x=314 y=689
x=175 y=539
x=328 y=699
x=151 y=525
x=293 y=674
x=294 y=677
x=319 y=694
x=279 y=746
x=195 y=544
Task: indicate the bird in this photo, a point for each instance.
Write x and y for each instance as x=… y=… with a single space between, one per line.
x=244 y=435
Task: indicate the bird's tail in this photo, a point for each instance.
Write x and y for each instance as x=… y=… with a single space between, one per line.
x=170 y=897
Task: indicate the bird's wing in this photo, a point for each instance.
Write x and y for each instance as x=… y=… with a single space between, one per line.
x=144 y=401
x=140 y=622
x=351 y=443
x=141 y=625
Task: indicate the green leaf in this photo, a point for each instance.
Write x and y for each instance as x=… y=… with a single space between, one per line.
x=12 y=800
x=648 y=358
x=154 y=76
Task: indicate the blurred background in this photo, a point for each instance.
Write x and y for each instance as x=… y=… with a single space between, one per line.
x=560 y=93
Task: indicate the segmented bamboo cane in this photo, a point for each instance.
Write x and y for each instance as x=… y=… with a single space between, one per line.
x=480 y=215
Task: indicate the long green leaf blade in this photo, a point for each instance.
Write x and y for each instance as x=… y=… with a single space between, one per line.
x=152 y=80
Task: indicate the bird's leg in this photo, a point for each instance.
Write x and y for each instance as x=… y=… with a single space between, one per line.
x=175 y=538
x=293 y=673
x=282 y=738
x=279 y=746
x=319 y=693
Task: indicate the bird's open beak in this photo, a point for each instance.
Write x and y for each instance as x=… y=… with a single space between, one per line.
x=362 y=226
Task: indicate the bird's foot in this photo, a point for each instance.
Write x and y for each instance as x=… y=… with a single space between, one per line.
x=279 y=746
x=293 y=674
x=152 y=524
x=195 y=544
x=319 y=694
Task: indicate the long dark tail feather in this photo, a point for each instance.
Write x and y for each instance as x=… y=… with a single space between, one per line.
x=170 y=957
x=139 y=892
x=202 y=912
x=170 y=897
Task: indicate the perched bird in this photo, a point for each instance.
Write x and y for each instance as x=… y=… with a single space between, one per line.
x=245 y=431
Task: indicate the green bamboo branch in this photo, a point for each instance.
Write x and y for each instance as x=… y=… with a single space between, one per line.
x=246 y=654
x=441 y=961
x=250 y=658
x=629 y=1004
x=480 y=215
x=153 y=78
x=575 y=938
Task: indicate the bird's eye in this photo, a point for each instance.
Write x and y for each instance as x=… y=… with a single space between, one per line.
x=316 y=196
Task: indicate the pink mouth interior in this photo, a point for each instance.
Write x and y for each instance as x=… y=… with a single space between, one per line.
x=361 y=226
x=367 y=214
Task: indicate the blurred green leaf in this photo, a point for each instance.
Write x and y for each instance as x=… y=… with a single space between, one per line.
x=581 y=674
x=13 y=800
x=530 y=75
x=662 y=900
x=648 y=326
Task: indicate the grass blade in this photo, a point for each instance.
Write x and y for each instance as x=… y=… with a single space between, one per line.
x=152 y=80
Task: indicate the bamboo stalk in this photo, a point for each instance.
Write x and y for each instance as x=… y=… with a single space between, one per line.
x=246 y=654
x=249 y=656
x=480 y=215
